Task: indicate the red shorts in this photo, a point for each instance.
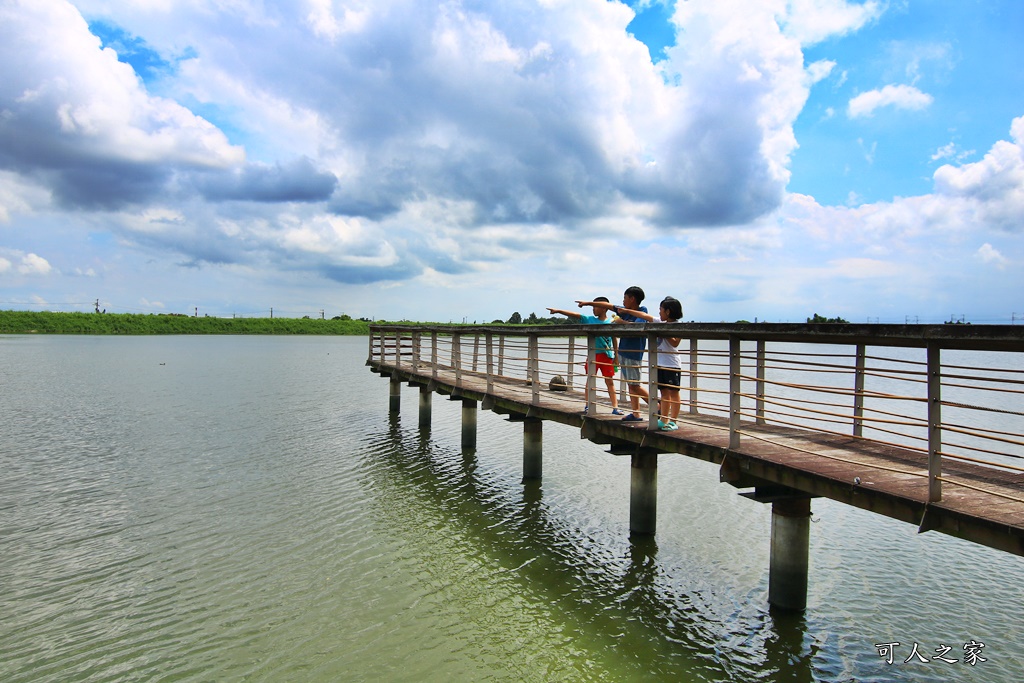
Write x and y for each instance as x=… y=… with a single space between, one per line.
x=605 y=365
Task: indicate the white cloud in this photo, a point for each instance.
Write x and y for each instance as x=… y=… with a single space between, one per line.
x=951 y=151
x=994 y=186
x=898 y=96
x=990 y=255
x=67 y=106
x=14 y=261
x=812 y=21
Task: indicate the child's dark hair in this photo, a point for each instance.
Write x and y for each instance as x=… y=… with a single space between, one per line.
x=674 y=308
x=602 y=298
x=636 y=293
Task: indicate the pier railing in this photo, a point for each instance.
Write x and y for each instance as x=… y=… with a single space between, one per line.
x=948 y=392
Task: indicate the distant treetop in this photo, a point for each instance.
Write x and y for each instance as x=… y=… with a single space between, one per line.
x=822 y=319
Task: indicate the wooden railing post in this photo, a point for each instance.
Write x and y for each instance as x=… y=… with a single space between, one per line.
x=533 y=364
x=501 y=356
x=652 y=381
x=591 y=370
x=476 y=350
x=934 y=423
x=760 y=381
x=735 y=402
x=457 y=358
x=694 y=371
x=433 y=354
x=416 y=351
x=490 y=363
x=858 y=390
x=570 y=364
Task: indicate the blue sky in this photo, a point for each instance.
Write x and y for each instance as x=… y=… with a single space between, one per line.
x=462 y=160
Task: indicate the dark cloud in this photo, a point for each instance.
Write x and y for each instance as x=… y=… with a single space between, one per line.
x=299 y=181
x=107 y=186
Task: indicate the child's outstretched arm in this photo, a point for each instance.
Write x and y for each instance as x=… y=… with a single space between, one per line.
x=558 y=311
x=600 y=304
x=637 y=314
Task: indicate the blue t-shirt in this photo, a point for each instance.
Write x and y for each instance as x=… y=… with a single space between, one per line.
x=632 y=347
x=601 y=344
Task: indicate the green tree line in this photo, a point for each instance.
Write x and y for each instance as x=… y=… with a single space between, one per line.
x=45 y=322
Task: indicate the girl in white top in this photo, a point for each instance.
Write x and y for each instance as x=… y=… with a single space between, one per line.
x=670 y=364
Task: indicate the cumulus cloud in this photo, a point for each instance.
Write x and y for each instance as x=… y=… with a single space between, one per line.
x=75 y=116
x=397 y=137
x=898 y=96
x=13 y=261
x=990 y=255
x=994 y=186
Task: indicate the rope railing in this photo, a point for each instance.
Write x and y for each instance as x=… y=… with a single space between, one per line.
x=894 y=398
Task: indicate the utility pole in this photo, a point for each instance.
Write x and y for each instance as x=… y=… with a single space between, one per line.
x=271 y=312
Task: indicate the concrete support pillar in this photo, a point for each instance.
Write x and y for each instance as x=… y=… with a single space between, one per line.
x=791 y=535
x=425 y=404
x=643 y=494
x=396 y=395
x=469 y=413
x=533 y=448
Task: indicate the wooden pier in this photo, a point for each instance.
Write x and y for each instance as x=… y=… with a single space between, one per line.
x=924 y=424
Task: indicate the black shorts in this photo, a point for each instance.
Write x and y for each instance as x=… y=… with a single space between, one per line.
x=669 y=379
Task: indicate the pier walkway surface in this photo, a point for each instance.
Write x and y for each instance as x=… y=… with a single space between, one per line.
x=922 y=423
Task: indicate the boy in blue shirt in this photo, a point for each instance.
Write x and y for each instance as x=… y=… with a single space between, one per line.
x=604 y=357
x=631 y=349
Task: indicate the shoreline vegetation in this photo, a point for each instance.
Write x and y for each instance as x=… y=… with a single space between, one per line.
x=47 y=322
x=53 y=322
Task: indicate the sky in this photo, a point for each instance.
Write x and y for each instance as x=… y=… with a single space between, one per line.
x=462 y=160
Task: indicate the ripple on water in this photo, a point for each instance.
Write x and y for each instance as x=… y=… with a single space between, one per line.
x=249 y=511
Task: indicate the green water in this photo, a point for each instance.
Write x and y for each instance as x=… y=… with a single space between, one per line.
x=244 y=508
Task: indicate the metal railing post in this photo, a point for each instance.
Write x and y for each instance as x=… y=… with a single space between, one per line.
x=858 y=390
x=934 y=423
x=735 y=385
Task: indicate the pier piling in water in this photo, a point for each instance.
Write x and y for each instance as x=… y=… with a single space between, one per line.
x=790 y=549
x=469 y=414
x=533 y=448
x=425 y=406
x=643 y=493
x=395 y=403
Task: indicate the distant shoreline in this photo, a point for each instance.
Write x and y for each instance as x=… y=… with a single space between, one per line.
x=46 y=322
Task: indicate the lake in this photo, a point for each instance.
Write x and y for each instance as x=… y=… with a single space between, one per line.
x=244 y=508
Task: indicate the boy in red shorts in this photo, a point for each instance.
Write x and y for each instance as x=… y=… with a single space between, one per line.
x=604 y=357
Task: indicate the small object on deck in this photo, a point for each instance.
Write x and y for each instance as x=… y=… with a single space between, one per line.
x=557 y=383
x=856 y=481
